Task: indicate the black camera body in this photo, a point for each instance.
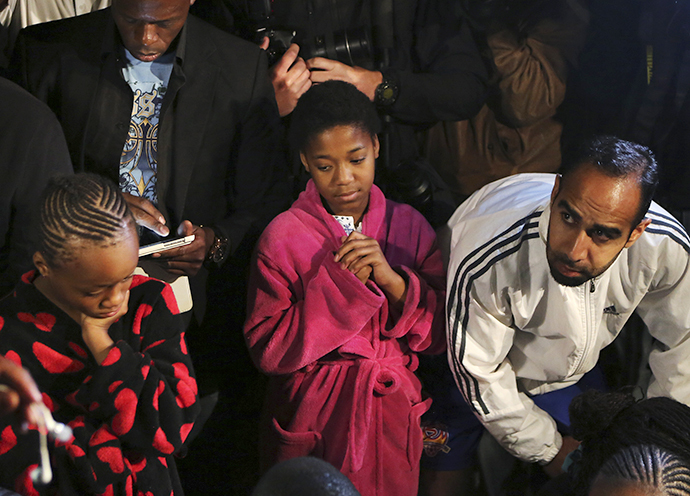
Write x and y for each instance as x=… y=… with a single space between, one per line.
x=352 y=47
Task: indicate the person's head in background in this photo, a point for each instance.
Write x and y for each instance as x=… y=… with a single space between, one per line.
x=304 y=476
x=630 y=447
x=88 y=247
x=642 y=470
x=334 y=126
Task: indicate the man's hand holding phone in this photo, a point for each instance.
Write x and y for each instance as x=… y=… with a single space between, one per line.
x=166 y=244
x=187 y=260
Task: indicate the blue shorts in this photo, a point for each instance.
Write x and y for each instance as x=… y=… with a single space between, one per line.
x=452 y=432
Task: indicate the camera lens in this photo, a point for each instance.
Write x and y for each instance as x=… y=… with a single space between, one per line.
x=351 y=46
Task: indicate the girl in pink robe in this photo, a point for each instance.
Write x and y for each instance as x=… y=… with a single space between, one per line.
x=336 y=318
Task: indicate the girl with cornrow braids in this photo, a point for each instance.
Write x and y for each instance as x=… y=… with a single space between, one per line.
x=106 y=349
x=630 y=447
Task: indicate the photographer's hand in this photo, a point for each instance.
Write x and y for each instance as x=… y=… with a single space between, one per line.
x=327 y=69
x=290 y=78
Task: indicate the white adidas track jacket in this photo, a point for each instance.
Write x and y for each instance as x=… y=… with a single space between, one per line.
x=513 y=331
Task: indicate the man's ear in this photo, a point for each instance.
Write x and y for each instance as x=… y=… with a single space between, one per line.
x=377 y=146
x=556 y=187
x=637 y=232
x=41 y=264
x=191 y=2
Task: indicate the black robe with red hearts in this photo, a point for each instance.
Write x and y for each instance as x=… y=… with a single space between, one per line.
x=130 y=415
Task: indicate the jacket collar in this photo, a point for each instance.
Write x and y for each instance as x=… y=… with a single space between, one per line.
x=544 y=219
x=373 y=221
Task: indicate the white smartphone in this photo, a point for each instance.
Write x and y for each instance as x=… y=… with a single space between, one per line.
x=165 y=245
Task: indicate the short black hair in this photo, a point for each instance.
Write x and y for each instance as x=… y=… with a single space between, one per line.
x=330 y=104
x=618 y=158
x=80 y=207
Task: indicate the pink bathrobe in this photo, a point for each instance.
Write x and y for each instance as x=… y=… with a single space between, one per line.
x=343 y=386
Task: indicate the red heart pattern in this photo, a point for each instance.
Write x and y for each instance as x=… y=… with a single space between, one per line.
x=113 y=457
x=160 y=442
x=55 y=362
x=126 y=404
x=8 y=440
x=42 y=321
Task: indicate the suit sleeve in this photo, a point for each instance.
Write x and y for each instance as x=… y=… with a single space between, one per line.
x=259 y=184
x=447 y=80
x=480 y=336
x=422 y=320
x=41 y=154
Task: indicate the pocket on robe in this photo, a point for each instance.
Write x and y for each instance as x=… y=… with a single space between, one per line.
x=296 y=444
x=415 y=438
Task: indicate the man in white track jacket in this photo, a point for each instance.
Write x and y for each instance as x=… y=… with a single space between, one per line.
x=543 y=273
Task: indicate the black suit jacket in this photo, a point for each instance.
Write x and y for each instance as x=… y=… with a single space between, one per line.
x=219 y=156
x=32 y=150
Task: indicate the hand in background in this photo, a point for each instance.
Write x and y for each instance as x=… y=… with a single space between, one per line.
x=18 y=391
x=554 y=467
x=290 y=78
x=326 y=69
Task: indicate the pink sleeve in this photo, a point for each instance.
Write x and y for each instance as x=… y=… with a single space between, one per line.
x=423 y=319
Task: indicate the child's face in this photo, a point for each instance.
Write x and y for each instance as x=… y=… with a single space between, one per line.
x=341 y=161
x=96 y=281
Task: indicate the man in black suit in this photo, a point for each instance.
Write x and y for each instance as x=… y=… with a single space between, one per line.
x=217 y=121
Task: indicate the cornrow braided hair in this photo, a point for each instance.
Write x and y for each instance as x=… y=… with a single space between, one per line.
x=650 y=466
x=609 y=423
x=80 y=207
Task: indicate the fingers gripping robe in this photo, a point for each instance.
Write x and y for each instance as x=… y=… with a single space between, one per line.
x=362 y=256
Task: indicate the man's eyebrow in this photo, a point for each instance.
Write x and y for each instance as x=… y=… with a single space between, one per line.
x=566 y=206
x=609 y=232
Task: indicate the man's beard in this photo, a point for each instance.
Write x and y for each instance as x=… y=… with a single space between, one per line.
x=584 y=276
